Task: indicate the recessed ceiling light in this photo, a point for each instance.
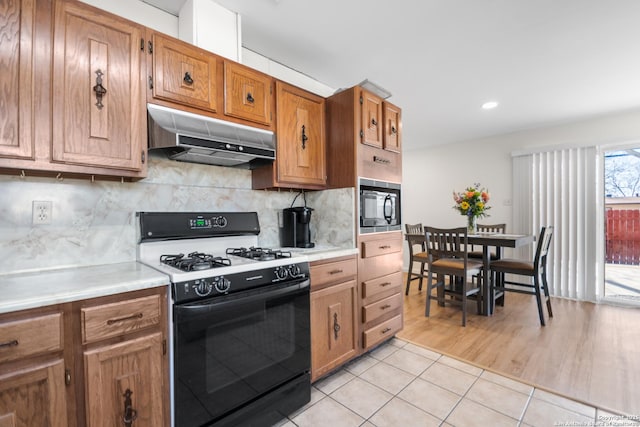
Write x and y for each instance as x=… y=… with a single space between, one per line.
x=489 y=105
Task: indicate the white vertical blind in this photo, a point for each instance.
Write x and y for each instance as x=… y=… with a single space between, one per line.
x=559 y=188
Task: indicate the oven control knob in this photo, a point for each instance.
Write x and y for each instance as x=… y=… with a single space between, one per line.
x=281 y=273
x=202 y=288
x=221 y=284
x=221 y=221
x=294 y=270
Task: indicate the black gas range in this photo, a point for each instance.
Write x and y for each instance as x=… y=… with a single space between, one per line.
x=240 y=318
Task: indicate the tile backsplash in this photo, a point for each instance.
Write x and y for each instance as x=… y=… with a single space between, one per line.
x=94 y=222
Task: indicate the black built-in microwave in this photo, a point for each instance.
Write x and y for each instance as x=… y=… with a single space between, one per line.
x=379 y=203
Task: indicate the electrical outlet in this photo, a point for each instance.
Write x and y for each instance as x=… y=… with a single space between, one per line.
x=42 y=212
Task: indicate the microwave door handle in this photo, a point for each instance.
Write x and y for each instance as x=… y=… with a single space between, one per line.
x=389 y=217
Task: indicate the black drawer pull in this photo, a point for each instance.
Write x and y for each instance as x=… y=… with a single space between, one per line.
x=124 y=319
x=382 y=160
x=385 y=284
x=385 y=330
x=384 y=307
x=11 y=343
x=335 y=272
x=384 y=247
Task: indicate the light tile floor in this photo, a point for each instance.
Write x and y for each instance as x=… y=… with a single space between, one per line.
x=402 y=384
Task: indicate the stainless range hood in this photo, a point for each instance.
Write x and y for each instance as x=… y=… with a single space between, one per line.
x=194 y=138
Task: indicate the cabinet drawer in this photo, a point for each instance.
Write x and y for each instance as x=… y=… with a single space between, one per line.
x=375 y=267
x=109 y=320
x=332 y=272
x=378 y=333
x=380 y=308
x=381 y=247
x=21 y=338
x=373 y=287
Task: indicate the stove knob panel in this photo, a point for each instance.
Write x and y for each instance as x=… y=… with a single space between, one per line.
x=202 y=288
x=281 y=273
x=221 y=284
x=220 y=221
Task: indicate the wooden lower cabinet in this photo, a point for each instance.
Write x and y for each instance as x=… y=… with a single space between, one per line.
x=334 y=303
x=34 y=396
x=125 y=381
x=58 y=368
x=380 y=279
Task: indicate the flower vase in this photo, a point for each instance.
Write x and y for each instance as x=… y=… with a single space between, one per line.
x=472 y=225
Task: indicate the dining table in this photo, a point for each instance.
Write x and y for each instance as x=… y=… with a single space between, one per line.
x=487 y=241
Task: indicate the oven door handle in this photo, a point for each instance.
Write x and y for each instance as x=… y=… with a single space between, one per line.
x=216 y=303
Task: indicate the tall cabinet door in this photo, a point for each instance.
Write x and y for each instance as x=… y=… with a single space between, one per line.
x=17 y=27
x=371 y=119
x=99 y=114
x=392 y=128
x=124 y=381
x=34 y=397
x=301 y=136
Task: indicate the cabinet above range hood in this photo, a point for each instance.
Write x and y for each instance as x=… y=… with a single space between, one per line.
x=194 y=138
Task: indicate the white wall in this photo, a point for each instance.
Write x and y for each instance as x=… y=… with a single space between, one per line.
x=432 y=174
x=140 y=12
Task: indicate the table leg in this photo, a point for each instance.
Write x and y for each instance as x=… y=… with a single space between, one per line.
x=486 y=287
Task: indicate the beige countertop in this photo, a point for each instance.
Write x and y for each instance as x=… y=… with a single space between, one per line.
x=46 y=287
x=55 y=286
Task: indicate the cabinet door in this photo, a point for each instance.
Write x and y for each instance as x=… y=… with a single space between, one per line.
x=183 y=73
x=247 y=93
x=17 y=26
x=126 y=374
x=99 y=114
x=392 y=128
x=333 y=331
x=371 y=119
x=34 y=397
x=301 y=136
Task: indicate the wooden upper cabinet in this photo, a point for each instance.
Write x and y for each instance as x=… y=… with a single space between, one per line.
x=184 y=74
x=371 y=119
x=17 y=32
x=392 y=128
x=301 y=143
x=247 y=93
x=99 y=114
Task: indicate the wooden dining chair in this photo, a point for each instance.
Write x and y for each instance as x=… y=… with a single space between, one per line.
x=535 y=270
x=417 y=254
x=447 y=256
x=488 y=228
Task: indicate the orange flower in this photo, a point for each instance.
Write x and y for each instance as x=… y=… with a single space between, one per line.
x=485 y=196
x=470 y=194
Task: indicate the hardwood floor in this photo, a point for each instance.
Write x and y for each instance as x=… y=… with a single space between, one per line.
x=588 y=352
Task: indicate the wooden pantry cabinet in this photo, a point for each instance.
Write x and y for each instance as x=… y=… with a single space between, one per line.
x=364 y=135
x=95 y=362
x=334 y=327
x=301 y=142
x=74 y=91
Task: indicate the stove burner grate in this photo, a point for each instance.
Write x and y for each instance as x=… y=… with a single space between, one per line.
x=259 y=254
x=194 y=261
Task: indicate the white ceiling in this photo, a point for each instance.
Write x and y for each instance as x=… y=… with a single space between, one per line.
x=545 y=61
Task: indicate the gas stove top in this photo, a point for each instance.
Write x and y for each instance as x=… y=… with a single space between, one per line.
x=213 y=253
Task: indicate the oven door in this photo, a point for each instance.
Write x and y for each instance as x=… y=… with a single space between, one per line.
x=234 y=350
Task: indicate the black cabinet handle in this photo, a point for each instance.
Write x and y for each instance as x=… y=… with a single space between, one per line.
x=304 y=137
x=336 y=326
x=130 y=414
x=99 y=89
x=374 y=122
x=187 y=78
x=250 y=98
x=11 y=343
x=394 y=130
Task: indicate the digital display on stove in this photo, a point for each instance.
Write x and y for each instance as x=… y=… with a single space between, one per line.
x=199 y=223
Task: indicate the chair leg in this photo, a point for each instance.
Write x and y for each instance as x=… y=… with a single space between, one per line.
x=464 y=303
x=421 y=276
x=409 y=273
x=546 y=292
x=536 y=284
x=429 y=290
